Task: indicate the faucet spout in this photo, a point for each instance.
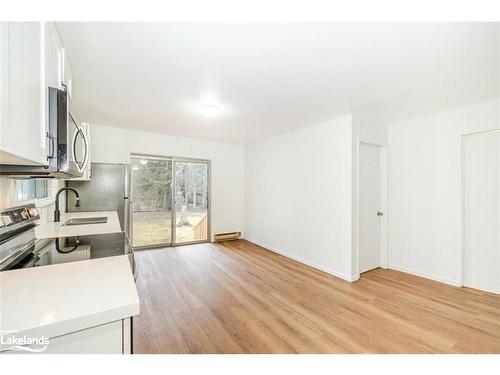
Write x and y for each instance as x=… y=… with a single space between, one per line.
x=57 y=213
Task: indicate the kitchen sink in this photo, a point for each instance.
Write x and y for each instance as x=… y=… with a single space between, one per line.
x=87 y=220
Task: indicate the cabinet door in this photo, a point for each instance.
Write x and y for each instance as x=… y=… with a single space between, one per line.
x=23 y=133
x=53 y=57
x=67 y=74
x=4 y=75
x=104 y=339
x=58 y=69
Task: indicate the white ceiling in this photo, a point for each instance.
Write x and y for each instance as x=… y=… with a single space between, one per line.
x=272 y=78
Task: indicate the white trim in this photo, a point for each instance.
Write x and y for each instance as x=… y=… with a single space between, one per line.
x=483 y=289
x=355 y=144
x=462 y=230
x=389 y=197
x=384 y=196
x=426 y=275
x=303 y=261
x=463 y=189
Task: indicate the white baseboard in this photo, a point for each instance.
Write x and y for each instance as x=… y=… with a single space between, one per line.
x=495 y=291
x=426 y=275
x=303 y=261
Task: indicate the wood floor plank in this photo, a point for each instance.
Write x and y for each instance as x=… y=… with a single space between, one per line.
x=237 y=297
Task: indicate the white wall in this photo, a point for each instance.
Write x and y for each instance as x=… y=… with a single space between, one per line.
x=425 y=200
x=114 y=145
x=298 y=195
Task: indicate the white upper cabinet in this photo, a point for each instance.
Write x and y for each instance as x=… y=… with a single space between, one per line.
x=58 y=69
x=53 y=57
x=32 y=60
x=67 y=79
x=4 y=77
x=23 y=97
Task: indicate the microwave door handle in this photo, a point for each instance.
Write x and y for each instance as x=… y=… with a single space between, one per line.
x=81 y=166
x=86 y=146
x=75 y=156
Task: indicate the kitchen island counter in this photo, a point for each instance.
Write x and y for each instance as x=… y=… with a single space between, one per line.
x=62 y=299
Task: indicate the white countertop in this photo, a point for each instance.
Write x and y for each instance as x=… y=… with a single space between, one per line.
x=62 y=298
x=51 y=229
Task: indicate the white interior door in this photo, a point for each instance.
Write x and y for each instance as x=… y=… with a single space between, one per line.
x=369 y=207
x=482 y=211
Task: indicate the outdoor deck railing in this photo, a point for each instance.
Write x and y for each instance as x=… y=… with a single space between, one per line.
x=200 y=229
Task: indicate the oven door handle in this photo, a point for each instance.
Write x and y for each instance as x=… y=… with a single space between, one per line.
x=18 y=255
x=32 y=261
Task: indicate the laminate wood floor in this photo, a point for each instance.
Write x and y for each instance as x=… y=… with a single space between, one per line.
x=237 y=297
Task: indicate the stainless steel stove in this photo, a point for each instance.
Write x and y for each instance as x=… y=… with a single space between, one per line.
x=19 y=247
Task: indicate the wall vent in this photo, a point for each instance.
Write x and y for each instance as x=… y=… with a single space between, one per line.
x=227 y=236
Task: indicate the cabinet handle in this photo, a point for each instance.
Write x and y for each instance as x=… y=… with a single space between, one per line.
x=51 y=146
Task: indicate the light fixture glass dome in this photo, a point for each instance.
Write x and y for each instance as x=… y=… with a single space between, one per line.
x=209 y=110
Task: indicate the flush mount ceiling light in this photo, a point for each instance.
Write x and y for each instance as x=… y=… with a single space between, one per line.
x=143 y=162
x=209 y=110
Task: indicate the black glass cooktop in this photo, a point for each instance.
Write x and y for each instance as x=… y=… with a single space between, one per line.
x=76 y=248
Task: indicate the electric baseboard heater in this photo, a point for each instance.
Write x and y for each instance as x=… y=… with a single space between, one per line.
x=227 y=236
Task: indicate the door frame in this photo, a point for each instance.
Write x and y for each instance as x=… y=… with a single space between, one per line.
x=384 y=253
x=463 y=241
x=172 y=159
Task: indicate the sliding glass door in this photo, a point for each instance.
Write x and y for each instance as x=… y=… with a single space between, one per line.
x=151 y=206
x=170 y=201
x=191 y=200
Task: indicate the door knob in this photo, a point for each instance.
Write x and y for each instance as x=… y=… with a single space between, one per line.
x=379 y=213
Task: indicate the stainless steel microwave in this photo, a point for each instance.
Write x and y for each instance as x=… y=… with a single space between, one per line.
x=67 y=144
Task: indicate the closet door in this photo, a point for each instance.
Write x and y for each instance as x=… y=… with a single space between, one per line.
x=369 y=207
x=481 y=266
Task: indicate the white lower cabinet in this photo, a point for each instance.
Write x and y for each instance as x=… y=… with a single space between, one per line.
x=104 y=339
x=109 y=338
